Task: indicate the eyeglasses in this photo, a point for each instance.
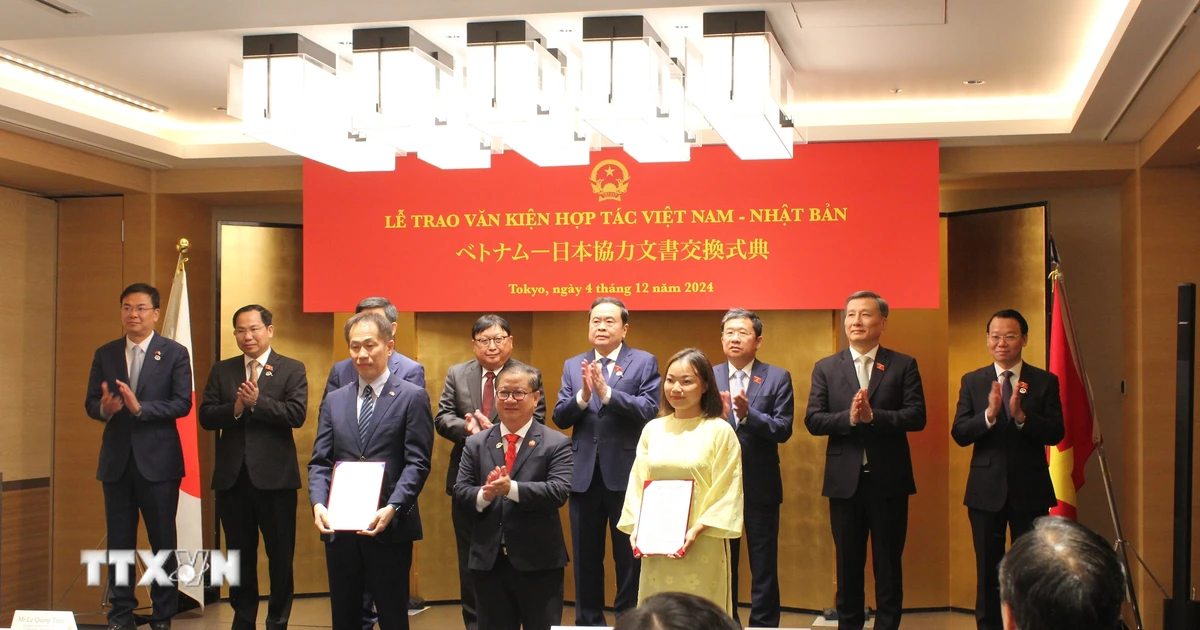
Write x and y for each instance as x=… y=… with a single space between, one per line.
x=516 y=394
x=737 y=334
x=140 y=310
x=498 y=340
x=1008 y=338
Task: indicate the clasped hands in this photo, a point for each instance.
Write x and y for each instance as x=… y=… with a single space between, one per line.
x=383 y=517
x=498 y=483
x=739 y=403
x=996 y=398
x=247 y=397
x=592 y=375
x=477 y=422
x=860 y=408
x=112 y=402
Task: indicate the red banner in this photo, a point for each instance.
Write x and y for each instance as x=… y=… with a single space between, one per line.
x=712 y=233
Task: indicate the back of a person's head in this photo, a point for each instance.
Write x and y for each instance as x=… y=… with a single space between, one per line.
x=676 y=611
x=1062 y=575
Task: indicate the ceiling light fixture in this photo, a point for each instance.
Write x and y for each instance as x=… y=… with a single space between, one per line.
x=76 y=81
x=294 y=98
x=633 y=91
x=524 y=93
x=747 y=85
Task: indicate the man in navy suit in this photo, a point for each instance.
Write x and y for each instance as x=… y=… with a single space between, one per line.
x=139 y=386
x=607 y=395
x=761 y=407
x=867 y=398
x=381 y=418
x=1010 y=411
x=513 y=494
x=343 y=373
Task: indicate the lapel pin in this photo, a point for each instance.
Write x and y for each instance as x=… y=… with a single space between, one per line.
x=617 y=371
x=1024 y=388
x=267 y=373
x=880 y=367
x=758 y=380
x=498 y=445
x=158 y=357
x=268 y=366
x=391 y=393
x=532 y=442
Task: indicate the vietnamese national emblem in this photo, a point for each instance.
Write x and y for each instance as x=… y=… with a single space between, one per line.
x=610 y=180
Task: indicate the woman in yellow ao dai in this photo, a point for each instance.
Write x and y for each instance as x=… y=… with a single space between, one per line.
x=693 y=442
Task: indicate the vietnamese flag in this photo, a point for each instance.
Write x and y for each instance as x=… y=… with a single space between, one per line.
x=178 y=327
x=1068 y=458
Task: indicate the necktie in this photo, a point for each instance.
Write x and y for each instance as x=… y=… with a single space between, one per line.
x=1005 y=393
x=135 y=367
x=864 y=374
x=253 y=370
x=605 y=363
x=364 y=414
x=737 y=386
x=510 y=454
x=489 y=395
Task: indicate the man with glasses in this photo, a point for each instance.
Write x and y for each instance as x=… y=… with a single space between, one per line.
x=468 y=406
x=513 y=478
x=607 y=395
x=761 y=405
x=139 y=386
x=1010 y=411
x=255 y=401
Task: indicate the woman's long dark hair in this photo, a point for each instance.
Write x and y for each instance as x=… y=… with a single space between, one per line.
x=710 y=401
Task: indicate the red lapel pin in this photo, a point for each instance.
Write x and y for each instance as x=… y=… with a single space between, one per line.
x=758 y=380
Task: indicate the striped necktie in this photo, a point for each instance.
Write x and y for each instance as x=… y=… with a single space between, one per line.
x=364 y=414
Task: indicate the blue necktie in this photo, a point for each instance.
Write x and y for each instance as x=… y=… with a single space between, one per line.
x=364 y=414
x=604 y=363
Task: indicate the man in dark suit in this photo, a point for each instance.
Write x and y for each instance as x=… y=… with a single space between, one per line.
x=139 y=386
x=867 y=398
x=255 y=401
x=607 y=395
x=467 y=407
x=1010 y=411
x=342 y=373
x=381 y=418
x=513 y=494
x=761 y=408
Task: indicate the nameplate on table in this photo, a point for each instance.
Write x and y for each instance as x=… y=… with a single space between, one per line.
x=43 y=620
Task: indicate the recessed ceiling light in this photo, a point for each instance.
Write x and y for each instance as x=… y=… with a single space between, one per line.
x=974 y=82
x=220 y=109
x=896 y=91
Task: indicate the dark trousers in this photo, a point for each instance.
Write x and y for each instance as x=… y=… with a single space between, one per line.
x=512 y=600
x=464 y=521
x=157 y=501
x=592 y=512
x=988 y=533
x=885 y=519
x=245 y=511
x=357 y=564
x=762 y=545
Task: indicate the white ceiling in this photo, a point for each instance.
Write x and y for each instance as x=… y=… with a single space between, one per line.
x=1055 y=71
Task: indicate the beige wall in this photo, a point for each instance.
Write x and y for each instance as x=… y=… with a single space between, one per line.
x=28 y=245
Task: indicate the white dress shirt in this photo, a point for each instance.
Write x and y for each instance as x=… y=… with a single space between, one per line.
x=377 y=386
x=480 y=502
x=870 y=367
x=144 y=345
x=612 y=365
x=262 y=367
x=1015 y=381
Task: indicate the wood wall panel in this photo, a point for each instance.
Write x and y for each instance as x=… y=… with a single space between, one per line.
x=89 y=285
x=25 y=573
x=28 y=251
x=263 y=265
x=981 y=282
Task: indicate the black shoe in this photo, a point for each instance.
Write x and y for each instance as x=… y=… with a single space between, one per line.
x=117 y=626
x=164 y=624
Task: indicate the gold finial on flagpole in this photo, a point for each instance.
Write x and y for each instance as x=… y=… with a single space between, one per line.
x=182 y=247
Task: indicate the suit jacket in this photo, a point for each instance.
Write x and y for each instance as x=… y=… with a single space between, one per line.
x=898 y=403
x=400 y=435
x=769 y=423
x=164 y=391
x=343 y=373
x=531 y=529
x=608 y=432
x=1007 y=463
x=463 y=394
x=261 y=437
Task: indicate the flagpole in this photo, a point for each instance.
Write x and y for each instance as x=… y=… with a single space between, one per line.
x=1120 y=544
